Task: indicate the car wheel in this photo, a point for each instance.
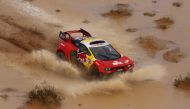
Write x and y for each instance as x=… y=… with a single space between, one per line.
x=60 y=55
x=95 y=72
x=73 y=57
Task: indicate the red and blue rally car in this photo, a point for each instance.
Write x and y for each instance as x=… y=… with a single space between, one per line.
x=95 y=54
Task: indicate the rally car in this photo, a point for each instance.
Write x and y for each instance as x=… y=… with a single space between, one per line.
x=94 y=54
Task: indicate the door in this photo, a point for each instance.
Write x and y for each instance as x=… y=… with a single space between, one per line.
x=85 y=56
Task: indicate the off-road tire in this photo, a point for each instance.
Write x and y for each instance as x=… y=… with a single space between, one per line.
x=94 y=72
x=61 y=55
x=73 y=57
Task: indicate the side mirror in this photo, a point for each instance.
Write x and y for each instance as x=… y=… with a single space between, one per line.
x=61 y=35
x=64 y=36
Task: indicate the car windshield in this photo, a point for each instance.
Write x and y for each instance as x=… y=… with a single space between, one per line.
x=105 y=52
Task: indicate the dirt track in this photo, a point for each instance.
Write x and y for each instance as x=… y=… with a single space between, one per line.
x=28 y=38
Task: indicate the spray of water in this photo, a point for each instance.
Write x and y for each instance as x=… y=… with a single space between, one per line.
x=97 y=87
x=48 y=61
x=151 y=72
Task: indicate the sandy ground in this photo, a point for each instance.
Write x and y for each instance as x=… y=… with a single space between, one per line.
x=28 y=38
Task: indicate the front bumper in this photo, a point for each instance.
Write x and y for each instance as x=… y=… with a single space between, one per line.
x=118 y=69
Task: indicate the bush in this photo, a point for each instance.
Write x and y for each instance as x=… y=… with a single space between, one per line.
x=174 y=55
x=119 y=10
x=183 y=82
x=151 y=44
x=131 y=30
x=177 y=4
x=150 y=14
x=46 y=95
x=164 y=23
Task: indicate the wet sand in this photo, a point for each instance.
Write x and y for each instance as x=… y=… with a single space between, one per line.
x=158 y=93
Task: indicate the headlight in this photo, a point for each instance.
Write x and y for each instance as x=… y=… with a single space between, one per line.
x=107 y=69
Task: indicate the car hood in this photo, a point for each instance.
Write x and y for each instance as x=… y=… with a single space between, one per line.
x=123 y=61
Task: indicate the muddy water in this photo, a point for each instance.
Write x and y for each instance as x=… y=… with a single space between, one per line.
x=159 y=94
x=145 y=95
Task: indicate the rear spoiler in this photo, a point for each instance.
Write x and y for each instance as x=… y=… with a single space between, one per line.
x=84 y=33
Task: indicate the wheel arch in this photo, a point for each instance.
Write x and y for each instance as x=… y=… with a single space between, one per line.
x=95 y=64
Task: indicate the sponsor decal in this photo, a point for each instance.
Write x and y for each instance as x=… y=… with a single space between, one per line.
x=62 y=44
x=88 y=61
x=126 y=61
x=117 y=63
x=82 y=60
